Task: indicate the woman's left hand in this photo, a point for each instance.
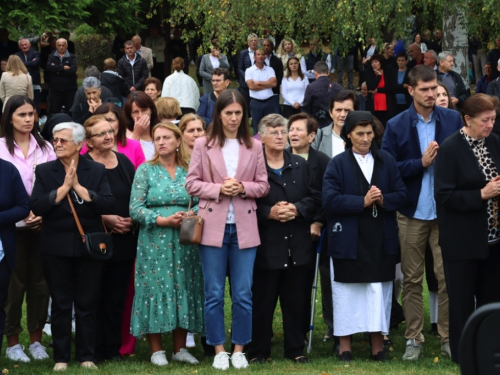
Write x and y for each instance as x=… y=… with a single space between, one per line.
x=93 y=104
x=33 y=222
x=231 y=187
x=287 y=212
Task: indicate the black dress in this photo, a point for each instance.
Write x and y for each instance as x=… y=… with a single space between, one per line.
x=371 y=264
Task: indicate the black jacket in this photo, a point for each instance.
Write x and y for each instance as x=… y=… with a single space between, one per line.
x=461 y=93
x=115 y=83
x=80 y=109
x=61 y=79
x=59 y=234
x=244 y=62
x=133 y=76
x=288 y=244
x=462 y=214
x=277 y=65
x=32 y=63
x=391 y=81
x=318 y=161
x=317 y=101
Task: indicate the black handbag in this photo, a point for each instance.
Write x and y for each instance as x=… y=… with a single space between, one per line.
x=99 y=245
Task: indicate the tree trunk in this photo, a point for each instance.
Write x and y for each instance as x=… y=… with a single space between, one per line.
x=455 y=40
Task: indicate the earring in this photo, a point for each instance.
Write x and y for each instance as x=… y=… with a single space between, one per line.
x=177 y=149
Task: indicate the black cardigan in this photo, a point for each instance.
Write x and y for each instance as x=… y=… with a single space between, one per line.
x=462 y=214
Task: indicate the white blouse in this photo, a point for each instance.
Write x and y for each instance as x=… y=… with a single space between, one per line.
x=293 y=91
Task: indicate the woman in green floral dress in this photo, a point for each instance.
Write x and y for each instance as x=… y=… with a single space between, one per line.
x=168 y=279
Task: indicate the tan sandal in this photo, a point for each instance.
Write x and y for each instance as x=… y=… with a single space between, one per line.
x=60 y=366
x=89 y=364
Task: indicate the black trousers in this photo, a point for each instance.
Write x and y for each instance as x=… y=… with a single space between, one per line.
x=5 y=274
x=113 y=292
x=326 y=286
x=288 y=110
x=290 y=286
x=261 y=108
x=73 y=281
x=158 y=70
x=60 y=99
x=246 y=95
x=471 y=283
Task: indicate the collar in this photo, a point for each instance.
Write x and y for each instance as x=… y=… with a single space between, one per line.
x=66 y=54
x=421 y=118
x=414 y=116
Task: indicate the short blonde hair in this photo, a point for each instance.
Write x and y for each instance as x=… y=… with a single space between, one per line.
x=187 y=118
x=168 y=108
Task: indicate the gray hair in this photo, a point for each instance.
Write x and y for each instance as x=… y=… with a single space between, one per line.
x=363 y=84
x=433 y=54
x=65 y=41
x=92 y=71
x=443 y=55
x=78 y=131
x=91 y=83
x=138 y=38
x=273 y=120
x=252 y=36
x=21 y=39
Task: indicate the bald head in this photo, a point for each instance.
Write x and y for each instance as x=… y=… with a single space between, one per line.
x=415 y=52
x=61 y=46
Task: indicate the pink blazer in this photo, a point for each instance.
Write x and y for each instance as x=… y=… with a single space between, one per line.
x=251 y=172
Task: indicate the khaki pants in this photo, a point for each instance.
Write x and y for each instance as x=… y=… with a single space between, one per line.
x=414 y=234
x=27 y=278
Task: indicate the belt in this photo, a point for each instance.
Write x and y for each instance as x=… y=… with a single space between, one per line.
x=263 y=100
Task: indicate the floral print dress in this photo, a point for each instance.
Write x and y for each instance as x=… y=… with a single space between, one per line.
x=168 y=277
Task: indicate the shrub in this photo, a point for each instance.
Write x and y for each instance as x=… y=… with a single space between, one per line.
x=93 y=49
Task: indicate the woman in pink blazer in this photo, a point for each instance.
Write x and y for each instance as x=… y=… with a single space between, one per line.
x=227 y=172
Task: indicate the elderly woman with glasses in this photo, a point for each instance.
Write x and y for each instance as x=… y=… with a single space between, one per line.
x=81 y=111
x=72 y=275
x=284 y=257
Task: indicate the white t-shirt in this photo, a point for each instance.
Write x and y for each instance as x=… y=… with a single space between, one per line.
x=231 y=154
x=293 y=91
x=257 y=74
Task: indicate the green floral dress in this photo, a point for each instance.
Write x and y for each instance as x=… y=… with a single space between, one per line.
x=168 y=276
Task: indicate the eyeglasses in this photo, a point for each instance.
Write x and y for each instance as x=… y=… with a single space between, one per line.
x=63 y=141
x=275 y=134
x=103 y=134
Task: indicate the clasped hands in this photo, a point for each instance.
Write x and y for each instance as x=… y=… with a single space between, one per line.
x=231 y=187
x=174 y=220
x=283 y=212
x=374 y=196
x=492 y=189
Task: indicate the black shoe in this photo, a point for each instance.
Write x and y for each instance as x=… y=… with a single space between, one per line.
x=345 y=356
x=301 y=359
x=258 y=361
x=434 y=329
x=379 y=357
x=336 y=345
x=388 y=342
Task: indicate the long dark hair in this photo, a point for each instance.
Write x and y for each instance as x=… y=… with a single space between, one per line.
x=122 y=120
x=142 y=100
x=7 y=129
x=226 y=98
x=299 y=71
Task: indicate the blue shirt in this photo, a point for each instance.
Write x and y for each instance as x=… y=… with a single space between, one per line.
x=400 y=98
x=426 y=206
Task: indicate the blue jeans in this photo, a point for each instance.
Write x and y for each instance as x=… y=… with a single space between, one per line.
x=214 y=261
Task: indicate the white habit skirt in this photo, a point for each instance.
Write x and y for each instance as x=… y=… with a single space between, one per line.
x=361 y=307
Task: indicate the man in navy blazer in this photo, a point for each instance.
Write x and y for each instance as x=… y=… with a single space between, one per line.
x=14 y=206
x=245 y=61
x=31 y=60
x=413 y=138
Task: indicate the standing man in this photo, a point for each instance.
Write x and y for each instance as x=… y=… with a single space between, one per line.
x=484 y=81
x=220 y=82
x=417 y=57
x=363 y=96
x=260 y=80
x=451 y=79
x=244 y=62
x=315 y=55
x=157 y=44
x=274 y=62
x=430 y=59
x=413 y=138
x=403 y=99
x=61 y=68
x=31 y=60
x=438 y=34
x=132 y=67
x=145 y=52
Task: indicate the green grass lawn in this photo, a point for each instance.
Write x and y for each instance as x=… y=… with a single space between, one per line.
x=322 y=360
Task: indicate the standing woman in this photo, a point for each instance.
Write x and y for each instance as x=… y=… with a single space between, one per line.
x=15 y=80
x=152 y=87
x=293 y=88
x=169 y=280
x=192 y=127
x=24 y=147
x=287 y=49
x=117 y=271
x=140 y=111
x=209 y=62
x=443 y=98
x=74 y=278
x=381 y=82
x=182 y=87
x=362 y=190
x=227 y=172
x=467 y=193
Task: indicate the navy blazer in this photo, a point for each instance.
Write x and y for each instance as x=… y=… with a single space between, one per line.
x=244 y=62
x=14 y=206
x=206 y=108
x=401 y=141
x=343 y=206
x=59 y=234
x=32 y=63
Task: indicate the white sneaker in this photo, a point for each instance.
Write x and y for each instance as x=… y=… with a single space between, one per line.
x=37 y=351
x=184 y=356
x=16 y=353
x=47 y=329
x=159 y=359
x=190 y=340
x=238 y=360
x=221 y=361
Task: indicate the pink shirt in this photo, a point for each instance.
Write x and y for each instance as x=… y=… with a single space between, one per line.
x=133 y=151
x=26 y=166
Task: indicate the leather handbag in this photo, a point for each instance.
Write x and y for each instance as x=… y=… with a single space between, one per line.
x=192 y=227
x=99 y=245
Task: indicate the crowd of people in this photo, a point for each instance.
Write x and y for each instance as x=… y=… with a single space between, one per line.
x=394 y=182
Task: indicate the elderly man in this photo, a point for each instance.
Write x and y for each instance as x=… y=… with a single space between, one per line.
x=246 y=61
x=132 y=67
x=450 y=79
x=31 y=60
x=430 y=59
x=157 y=44
x=145 y=52
x=220 y=82
x=363 y=96
x=417 y=57
x=61 y=68
x=315 y=55
x=484 y=81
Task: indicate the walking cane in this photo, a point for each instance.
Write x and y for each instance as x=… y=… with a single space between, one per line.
x=315 y=290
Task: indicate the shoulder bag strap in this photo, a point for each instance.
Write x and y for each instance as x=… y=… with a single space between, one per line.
x=78 y=224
